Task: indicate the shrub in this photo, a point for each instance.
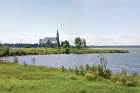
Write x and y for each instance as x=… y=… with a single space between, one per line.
x=4 y=50
x=130 y=83
x=100 y=70
x=87 y=67
x=76 y=71
x=107 y=74
x=83 y=91
x=94 y=68
x=125 y=79
x=81 y=70
x=73 y=77
x=71 y=70
x=67 y=51
x=63 y=69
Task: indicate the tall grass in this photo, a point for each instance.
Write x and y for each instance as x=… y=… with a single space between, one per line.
x=42 y=51
x=101 y=72
x=16 y=78
x=4 y=50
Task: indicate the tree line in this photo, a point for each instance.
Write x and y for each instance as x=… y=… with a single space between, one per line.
x=78 y=43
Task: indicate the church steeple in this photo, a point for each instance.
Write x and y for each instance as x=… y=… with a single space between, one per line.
x=57 y=37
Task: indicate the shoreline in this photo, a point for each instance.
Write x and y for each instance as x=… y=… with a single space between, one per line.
x=37 y=79
x=48 y=51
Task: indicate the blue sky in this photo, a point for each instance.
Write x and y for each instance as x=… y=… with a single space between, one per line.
x=101 y=22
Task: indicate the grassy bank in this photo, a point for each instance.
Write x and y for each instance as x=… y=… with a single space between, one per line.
x=16 y=78
x=42 y=51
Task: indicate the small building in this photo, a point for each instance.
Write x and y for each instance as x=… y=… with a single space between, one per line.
x=50 y=41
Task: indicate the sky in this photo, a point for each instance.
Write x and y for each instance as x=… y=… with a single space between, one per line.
x=100 y=22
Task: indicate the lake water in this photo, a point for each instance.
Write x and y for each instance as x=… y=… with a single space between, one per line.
x=116 y=61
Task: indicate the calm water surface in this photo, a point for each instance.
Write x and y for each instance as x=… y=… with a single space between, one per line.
x=116 y=62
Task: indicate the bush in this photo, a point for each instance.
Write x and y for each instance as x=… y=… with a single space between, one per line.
x=67 y=51
x=100 y=70
x=83 y=91
x=73 y=77
x=81 y=70
x=125 y=79
x=71 y=70
x=63 y=69
x=131 y=83
x=76 y=71
x=4 y=50
x=87 y=67
x=107 y=74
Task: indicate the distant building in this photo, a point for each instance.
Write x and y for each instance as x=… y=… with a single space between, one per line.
x=50 y=41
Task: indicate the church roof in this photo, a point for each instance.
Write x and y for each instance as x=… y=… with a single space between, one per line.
x=52 y=40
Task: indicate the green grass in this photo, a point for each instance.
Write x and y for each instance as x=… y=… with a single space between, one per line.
x=15 y=78
x=42 y=51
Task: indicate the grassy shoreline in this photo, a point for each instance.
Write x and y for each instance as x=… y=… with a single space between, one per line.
x=43 y=51
x=15 y=78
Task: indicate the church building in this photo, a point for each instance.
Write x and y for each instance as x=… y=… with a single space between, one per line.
x=50 y=41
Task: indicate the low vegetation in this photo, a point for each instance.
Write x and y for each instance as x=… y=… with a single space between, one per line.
x=93 y=73
x=4 y=50
x=43 y=51
x=15 y=78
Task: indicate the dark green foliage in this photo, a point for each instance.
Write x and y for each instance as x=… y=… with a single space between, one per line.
x=63 y=68
x=84 y=43
x=71 y=69
x=93 y=68
x=125 y=79
x=100 y=70
x=65 y=44
x=76 y=71
x=67 y=51
x=87 y=67
x=72 y=77
x=78 y=42
x=83 y=91
x=58 y=41
x=107 y=74
x=4 y=50
x=81 y=70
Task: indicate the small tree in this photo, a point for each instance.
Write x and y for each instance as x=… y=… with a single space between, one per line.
x=65 y=44
x=84 y=43
x=78 y=42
